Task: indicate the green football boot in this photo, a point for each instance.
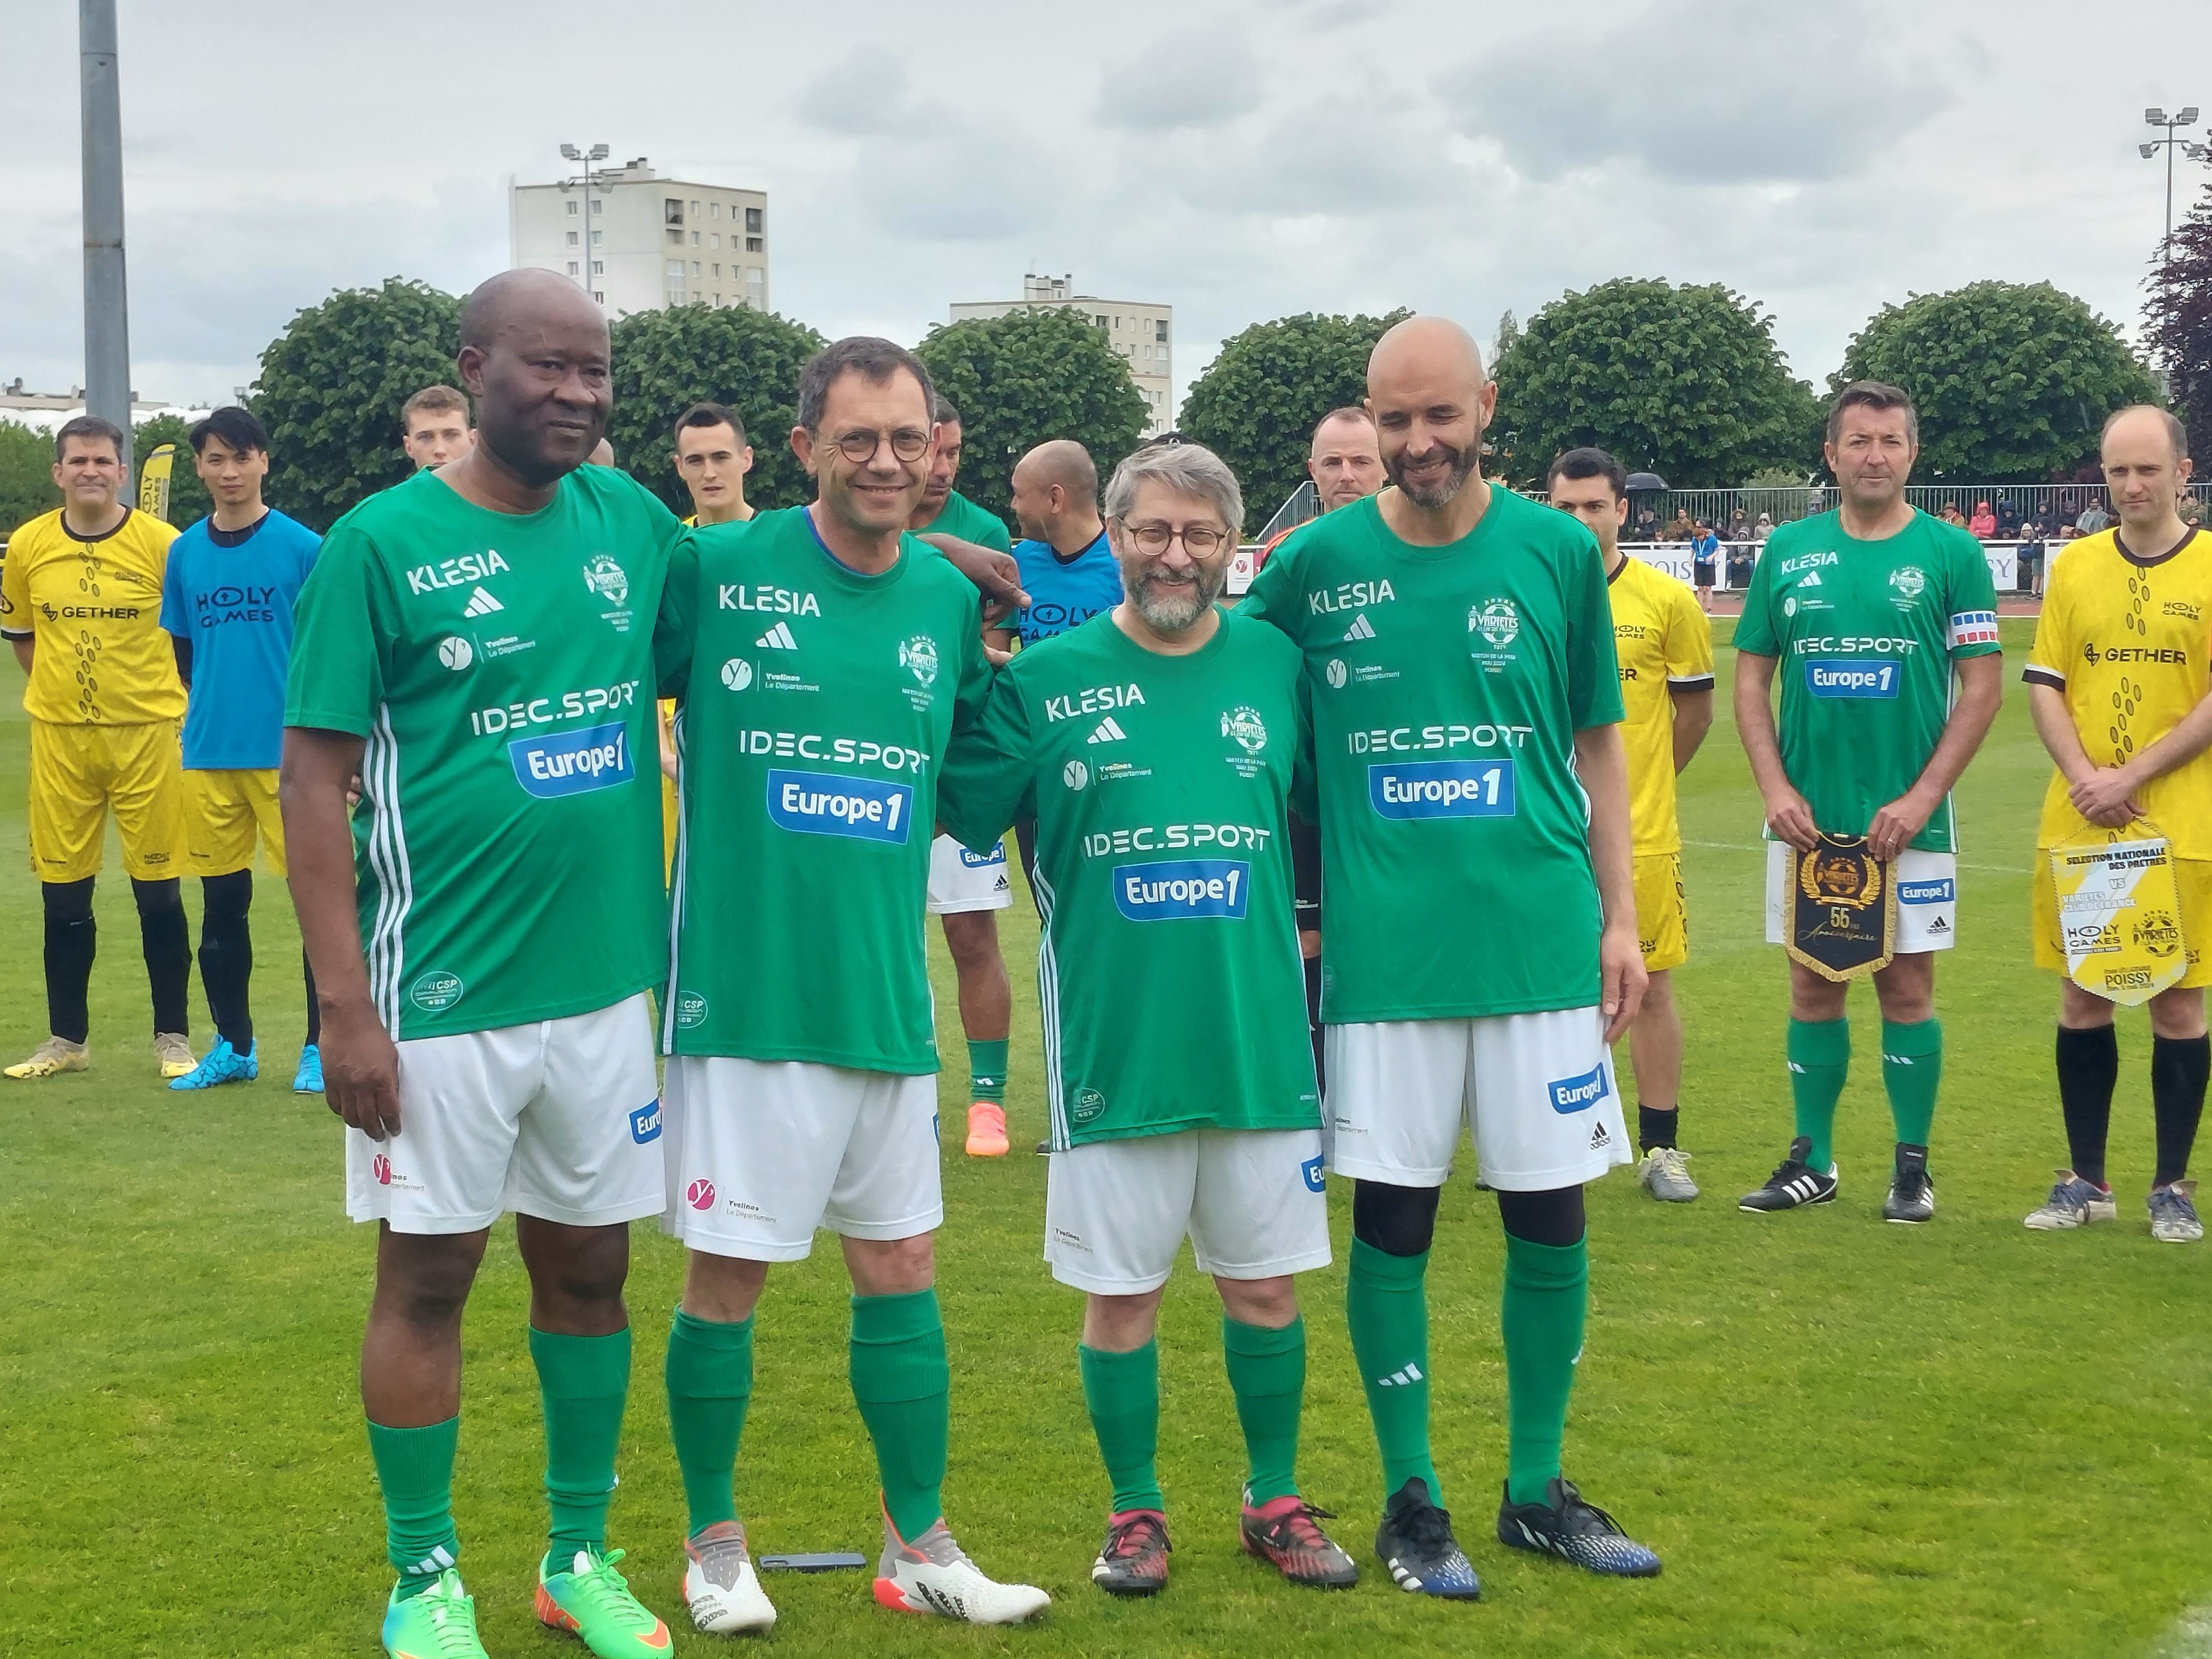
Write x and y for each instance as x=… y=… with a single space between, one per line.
x=439 y=1622
x=593 y=1601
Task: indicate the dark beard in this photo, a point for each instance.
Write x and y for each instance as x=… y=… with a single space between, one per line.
x=1436 y=496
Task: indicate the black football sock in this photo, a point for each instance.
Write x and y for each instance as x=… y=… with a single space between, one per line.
x=1655 y=1128
x=2179 y=1067
x=166 y=938
x=71 y=937
x=227 y=955
x=314 y=1008
x=2089 y=1066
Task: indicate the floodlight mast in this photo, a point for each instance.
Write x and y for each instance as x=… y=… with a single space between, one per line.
x=592 y=178
x=2186 y=116
x=106 y=297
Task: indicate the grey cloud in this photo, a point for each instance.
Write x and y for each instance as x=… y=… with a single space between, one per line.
x=1198 y=80
x=866 y=94
x=1739 y=92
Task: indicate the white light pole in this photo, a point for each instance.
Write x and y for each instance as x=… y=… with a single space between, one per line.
x=2185 y=116
x=589 y=178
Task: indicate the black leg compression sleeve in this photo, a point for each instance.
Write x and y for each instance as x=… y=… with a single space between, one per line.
x=314 y=1008
x=166 y=941
x=227 y=955
x=1554 y=1217
x=70 y=936
x=2179 y=1066
x=1395 y=1220
x=1314 y=1027
x=2089 y=1066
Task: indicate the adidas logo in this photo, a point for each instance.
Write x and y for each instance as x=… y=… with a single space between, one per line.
x=1810 y=579
x=777 y=638
x=1401 y=1379
x=481 y=603
x=432 y=1563
x=1361 y=629
x=1109 y=731
x=1598 y=1137
x=1939 y=926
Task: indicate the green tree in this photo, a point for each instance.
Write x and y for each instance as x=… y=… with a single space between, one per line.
x=1258 y=402
x=331 y=387
x=666 y=361
x=1024 y=379
x=2012 y=380
x=189 y=502
x=26 y=475
x=2178 y=323
x=1686 y=382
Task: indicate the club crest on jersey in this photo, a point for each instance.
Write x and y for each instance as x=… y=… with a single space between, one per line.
x=1496 y=621
x=1243 y=723
x=1909 y=582
x=604 y=577
x=917 y=656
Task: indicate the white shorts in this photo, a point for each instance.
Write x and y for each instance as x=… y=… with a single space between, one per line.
x=1927 y=897
x=1537 y=1091
x=760 y=1153
x=1115 y=1211
x=960 y=880
x=556 y=1119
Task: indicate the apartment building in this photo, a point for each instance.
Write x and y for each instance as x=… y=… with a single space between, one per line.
x=1141 y=333
x=635 y=240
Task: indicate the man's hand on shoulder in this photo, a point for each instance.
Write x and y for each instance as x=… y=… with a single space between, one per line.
x=996 y=576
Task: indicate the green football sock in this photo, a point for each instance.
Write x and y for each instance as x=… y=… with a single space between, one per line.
x=584 y=1382
x=415 y=1468
x=1546 y=1300
x=1123 y=1393
x=986 y=1070
x=904 y=1389
x=1387 y=1306
x=1819 y=1052
x=1912 y=1072
x=1267 y=1374
x=710 y=1383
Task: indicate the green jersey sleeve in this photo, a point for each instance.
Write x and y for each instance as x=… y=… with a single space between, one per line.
x=1755 y=628
x=987 y=769
x=1971 y=612
x=336 y=676
x=1593 y=665
x=1305 y=790
x=1269 y=597
x=975 y=674
x=677 y=625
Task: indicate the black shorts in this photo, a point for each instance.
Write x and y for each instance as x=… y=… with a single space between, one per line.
x=1703 y=568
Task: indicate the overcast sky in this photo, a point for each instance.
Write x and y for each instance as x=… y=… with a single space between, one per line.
x=1239 y=159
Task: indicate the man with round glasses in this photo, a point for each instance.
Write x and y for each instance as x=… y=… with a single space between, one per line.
x=1482 y=951
x=823 y=658
x=1160 y=744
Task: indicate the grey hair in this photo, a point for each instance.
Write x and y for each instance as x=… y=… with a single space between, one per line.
x=1188 y=470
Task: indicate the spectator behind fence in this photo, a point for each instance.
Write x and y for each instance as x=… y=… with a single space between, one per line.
x=1763 y=529
x=1647 y=526
x=1679 y=528
x=1983 y=525
x=2093 y=518
x=1739 y=527
x=2028 y=561
x=1950 y=514
x=2008 y=519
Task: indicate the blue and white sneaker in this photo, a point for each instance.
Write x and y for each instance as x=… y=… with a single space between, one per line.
x=223 y=1064
x=1564 y=1526
x=308 y=1079
x=2173 y=1214
x=1416 y=1546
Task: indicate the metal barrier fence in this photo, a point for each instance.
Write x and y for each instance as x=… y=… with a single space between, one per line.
x=1732 y=570
x=1650 y=510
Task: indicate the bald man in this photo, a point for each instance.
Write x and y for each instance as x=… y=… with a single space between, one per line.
x=1345 y=462
x=1482 y=951
x=2129 y=731
x=477 y=645
x=1067 y=568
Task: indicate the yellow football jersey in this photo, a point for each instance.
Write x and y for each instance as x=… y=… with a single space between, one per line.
x=94 y=608
x=1665 y=644
x=2126 y=640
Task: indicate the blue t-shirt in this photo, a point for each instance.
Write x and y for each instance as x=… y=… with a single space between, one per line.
x=230 y=593
x=1065 y=593
x=1701 y=548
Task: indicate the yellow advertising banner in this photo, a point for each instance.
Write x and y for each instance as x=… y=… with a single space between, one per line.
x=153 y=481
x=2119 y=912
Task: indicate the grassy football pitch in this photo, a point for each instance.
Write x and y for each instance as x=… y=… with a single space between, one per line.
x=1843 y=1437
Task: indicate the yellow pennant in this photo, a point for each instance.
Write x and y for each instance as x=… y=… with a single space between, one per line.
x=153 y=481
x=2119 y=912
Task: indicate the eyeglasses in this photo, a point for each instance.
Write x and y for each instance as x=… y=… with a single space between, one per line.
x=908 y=444
x=1198 y=540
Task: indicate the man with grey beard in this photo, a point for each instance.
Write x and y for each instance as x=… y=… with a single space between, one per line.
x=1161 y=743
x=1482 y=951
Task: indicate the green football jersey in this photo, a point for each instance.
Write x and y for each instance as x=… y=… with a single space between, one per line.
x=1168 y=973
x=815 y=704
x=1866 y=632
x=508 y=843
x=970 y=523
x=1446 y=686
